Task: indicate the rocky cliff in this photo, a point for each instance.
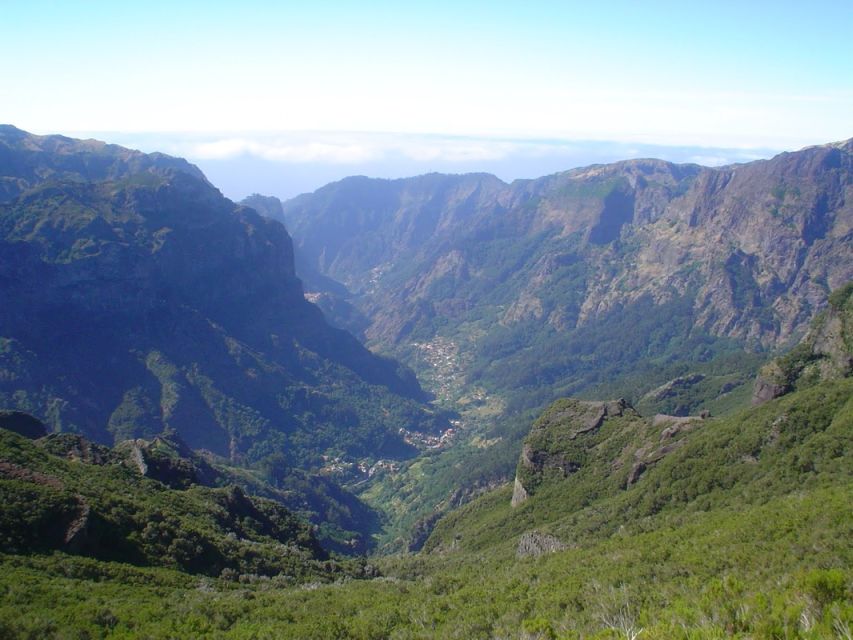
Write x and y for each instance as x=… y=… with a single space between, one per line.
x=606 y=444
x=826 y=352
x=742 y=255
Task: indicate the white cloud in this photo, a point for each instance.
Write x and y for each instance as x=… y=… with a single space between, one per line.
x=281 y=150
x=711 y=160
x=358 y=148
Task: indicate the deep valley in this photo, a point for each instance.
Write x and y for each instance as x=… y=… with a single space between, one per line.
x=612 y=402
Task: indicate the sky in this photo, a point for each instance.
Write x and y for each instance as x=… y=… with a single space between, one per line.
x=351 y=87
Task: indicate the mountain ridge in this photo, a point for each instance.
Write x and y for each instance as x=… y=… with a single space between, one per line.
x=754 y=248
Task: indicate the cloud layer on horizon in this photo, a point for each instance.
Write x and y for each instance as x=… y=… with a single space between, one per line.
x=362 y=148
x=285 y=164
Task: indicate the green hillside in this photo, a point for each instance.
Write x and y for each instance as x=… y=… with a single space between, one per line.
x=206 y=444
x=618 y=526
x=144 y=504
x=741 y=532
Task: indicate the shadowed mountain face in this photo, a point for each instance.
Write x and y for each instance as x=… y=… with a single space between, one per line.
x=136 y=297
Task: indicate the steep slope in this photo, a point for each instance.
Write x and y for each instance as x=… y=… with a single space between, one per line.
x=267 y=206
x=328 y=294
x=664 y=284
x=606 y=502
x=588 y=465
x=746 y=253
x=136 y=298
x=742 y=532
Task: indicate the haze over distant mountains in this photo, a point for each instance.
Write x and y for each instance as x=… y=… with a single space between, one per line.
x=286 y=164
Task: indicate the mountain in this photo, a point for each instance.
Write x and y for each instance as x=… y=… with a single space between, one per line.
x=267 y=206
x=604 y=496
x=27 y=161
x=644 y=259
x=137 y=298
x=826 y=353
x=146 y=311
x=668 y=285
x=327 y=293
x=587 y=453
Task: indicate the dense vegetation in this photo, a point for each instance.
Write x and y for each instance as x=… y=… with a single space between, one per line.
x=149 y=313
x=147 y=507
x=708 y=544
x=625 y=354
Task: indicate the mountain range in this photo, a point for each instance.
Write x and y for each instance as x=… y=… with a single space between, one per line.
x=668 y=285
x=137 y=299
x=746 y=252
x=187 y=445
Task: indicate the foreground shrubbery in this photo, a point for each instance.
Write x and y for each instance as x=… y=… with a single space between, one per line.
x=779 y=571
x=744 y=534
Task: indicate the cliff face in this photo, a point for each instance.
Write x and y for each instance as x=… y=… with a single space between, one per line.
x=268 y=206
x=746 y=252
x=136 y=297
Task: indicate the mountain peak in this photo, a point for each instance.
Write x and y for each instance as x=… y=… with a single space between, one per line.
x=27 y=160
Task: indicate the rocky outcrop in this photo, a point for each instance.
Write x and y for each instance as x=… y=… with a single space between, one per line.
x=519 y=493
x=268 y=206
x=558 y=439
x=769 y=384
x=583 y=416
x=72 y=446
x=593 y=444
x=76 y=537
x=535 y=543
x=826 y=352
x=168 y=459
x=674 y=387
x=670 y=439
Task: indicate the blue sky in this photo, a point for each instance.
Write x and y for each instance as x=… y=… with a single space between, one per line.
x=747 y=75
